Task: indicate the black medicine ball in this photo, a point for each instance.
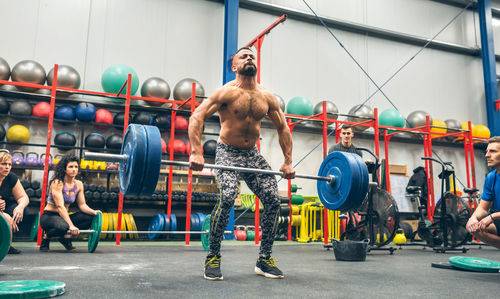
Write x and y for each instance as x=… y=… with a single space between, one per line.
x=114 y=141
x=65 y=140
x=209 y=147
x=162 y=122
x=4 y=106
x=21 y=107
x=95 y=140
x=2 y=132
x=119 y=119
x=143 y=118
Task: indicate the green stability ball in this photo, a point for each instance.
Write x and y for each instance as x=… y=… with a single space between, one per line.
x=114 y=77
x=391 y=118
x=299 y=106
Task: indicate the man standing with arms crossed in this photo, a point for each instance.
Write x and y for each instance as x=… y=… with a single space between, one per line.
x=242 y=104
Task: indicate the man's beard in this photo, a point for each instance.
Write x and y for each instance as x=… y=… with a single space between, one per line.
x=248 y=71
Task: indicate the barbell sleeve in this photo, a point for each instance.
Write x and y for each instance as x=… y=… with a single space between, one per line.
x=123 y=158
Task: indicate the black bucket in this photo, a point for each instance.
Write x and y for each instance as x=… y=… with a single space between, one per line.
x=350 y=250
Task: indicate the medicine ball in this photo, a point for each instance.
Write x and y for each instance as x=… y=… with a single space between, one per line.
x=114 y=141
x=42 y=109
x=20 y=107
x=209 y=147
x=119 y=119
x=4 y=106
x=163 y=145
x=18 y=133
x=143 y=118
x=65 y=140
x=103 y=116
x=181 y=123
x=95 y=140
x=85 y=112
x=65 y=112
x=179 y=147
x=162 y=122
x=2 y=134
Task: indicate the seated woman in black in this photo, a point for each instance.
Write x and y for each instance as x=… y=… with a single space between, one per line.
x=63 y=191
x=10 y=187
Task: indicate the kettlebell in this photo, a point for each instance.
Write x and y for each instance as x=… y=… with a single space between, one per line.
x=41 y=161
x=399 y=237
x=31 y=159
x=250 y=233
x=86 y=164
x=240 y=233
x=57 y=158
x=17 y=158
x=101 y=165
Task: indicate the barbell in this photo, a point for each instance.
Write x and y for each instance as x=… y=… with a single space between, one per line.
x=342 y=179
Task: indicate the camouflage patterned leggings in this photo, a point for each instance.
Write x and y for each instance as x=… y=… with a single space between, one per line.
x=264 y=186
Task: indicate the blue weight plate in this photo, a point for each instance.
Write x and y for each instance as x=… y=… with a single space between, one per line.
x=156 y=224
x=132 y=172
x=153 y=160
x=359 y=184
x=173 y=222
x=202 y=219
x=334 y=196
x=167 y=223
x=195 y=221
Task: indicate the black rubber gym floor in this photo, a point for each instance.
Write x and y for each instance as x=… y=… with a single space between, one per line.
x=172 y=270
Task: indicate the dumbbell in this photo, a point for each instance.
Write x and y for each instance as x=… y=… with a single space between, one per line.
x=93 y=187
x=96 y=195
x=38 y=193
x=85 y=186
x=105 y=195
x=113 y=195
x=115 y=189
x=35 y=185
x=25 y=183
x=101 y=188
x=30 y=192
x=88 y=194
x=154 y=196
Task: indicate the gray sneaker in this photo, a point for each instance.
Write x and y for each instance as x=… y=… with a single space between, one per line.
x=267 y=267
x=212 y=268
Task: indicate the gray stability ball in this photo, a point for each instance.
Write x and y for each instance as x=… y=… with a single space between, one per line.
x=4 y=70
x=281 y=102
x=67 y=77
x=452 y=126
x=155 y=87
x=28 y=71
x=182 y=91
x=331 y=112
x=364 y=111
x=417 y=118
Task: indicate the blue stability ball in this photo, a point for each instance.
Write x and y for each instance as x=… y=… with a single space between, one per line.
x=65 y=112
x=114 y=77
x=85 y=112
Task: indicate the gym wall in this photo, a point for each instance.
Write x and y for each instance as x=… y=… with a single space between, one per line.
x=175 y=39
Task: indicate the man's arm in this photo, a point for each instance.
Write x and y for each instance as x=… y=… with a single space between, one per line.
x=480 y=212
x=284 y=135
x=207 y=108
